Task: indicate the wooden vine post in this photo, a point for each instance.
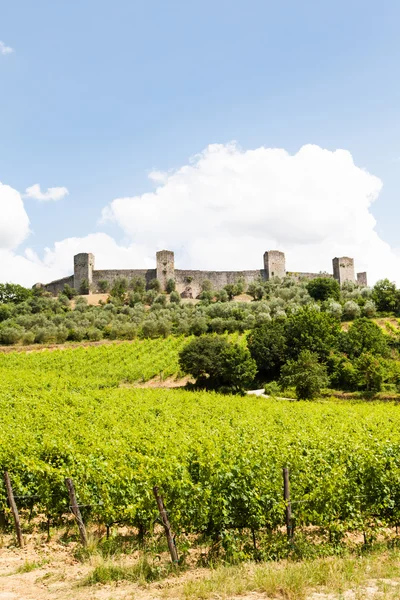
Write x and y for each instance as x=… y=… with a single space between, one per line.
x=288 y=504
x=75 y=510
x=14 y=509
x=167 y=527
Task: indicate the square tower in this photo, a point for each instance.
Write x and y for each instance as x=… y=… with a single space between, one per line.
x=362 y=279
x=83 y=270
x=165 y=267
x=343 y=269
x=274 y=264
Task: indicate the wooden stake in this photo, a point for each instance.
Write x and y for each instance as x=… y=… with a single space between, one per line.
x=14 y=509
x=288 y=505
x=75 y=510
x=164 y=517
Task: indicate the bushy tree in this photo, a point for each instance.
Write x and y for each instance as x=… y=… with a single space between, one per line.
x=323 y=288
x=84 y=287
x=174 y=297
x=13 y=293
x=69 y=291
x=230 y=289
x=351 y=310
x=155 y=285
x=370 y=372
x=369 y=309
x=385 y=296
x=305 y=374
x=267 y=345
x=138 y=284
x=256 y=290
x=310 y=329
x=119 y=288
x=103 y=286
x=363 y=336
x=216 y=363
x=170 y=287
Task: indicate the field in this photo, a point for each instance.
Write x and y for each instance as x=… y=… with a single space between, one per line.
x=217 y=459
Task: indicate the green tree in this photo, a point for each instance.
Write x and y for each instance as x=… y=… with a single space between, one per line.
x=305 y=374
x=384 y=295
x=370 y=372
x=138 y=284
x=267 y=345
x=363 y=336
x=69 y=291
x=174 y=297
x=323 y=288
x=256 y=290
x=216 y=363
x=155 y=285
x=120 y=288
x=13 y=293
x=170 y=287
x=84 y=287
x=103 y=286
x=230 y=289
x=310 y=329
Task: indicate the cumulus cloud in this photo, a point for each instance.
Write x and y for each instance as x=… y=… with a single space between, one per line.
x=223 y=209
x=227 y=206
x=5 y=49
x=52 y=193
x=14 y=222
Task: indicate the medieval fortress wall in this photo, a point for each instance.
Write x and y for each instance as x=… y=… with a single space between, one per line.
x=189 y=282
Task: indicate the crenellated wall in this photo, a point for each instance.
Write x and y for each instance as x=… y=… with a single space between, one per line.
x=189 y=282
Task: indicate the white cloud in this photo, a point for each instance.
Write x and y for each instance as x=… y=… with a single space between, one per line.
x=14 y=222
x=5 y=49
x=52 y=193
x=223 y=210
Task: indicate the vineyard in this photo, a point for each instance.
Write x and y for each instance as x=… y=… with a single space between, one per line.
x=217 y=459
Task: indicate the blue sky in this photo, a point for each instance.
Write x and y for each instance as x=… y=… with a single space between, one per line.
x=96 y=95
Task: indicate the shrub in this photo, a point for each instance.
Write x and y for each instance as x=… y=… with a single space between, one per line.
x=150 y=296
x=10 y=334
x=272 y=388
x=119 y=288
x=6 y=312
x=138 y=285
x=305 y=374
x=103 y=286
x=174 y=297
x=221 y=296
x=155 y=285
x=267 y=346
x=230 y=290
x=351 y=310
x=160 y=300
x=323 y=288
x=69 y=291
x=385 y=296
x=206 y=286
x=255 y=290
x=369 y=309
x=170 y=287
x=84 y=287
x=334 y=309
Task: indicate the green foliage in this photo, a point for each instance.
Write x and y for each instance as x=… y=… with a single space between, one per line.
x=351 y=310
x=230 y=289
x=138 y=285
x=84 y=287
x=305 y=374
x=385 y=296
x=370 y=372
x=256 y=290
x=170 y=287
x=13 y=293
x=267 y=345
x=69 y=291
x=155 y=285
x=216 y=363
x=323 y=288
x=103 y=286
x=174 y=297
x=217 y=459
x=310 y=329
x=363 y=336
x=120 y=288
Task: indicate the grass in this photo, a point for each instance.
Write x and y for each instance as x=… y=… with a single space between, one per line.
x=295 y=581
x=29 y=566
x=143 y=571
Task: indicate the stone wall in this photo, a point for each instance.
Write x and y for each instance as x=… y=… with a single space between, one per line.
x=189 y=282
x=55 y=287
x=110 y=275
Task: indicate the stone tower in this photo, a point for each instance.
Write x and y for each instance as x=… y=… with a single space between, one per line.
x=362 y=279
x=274 y=264
x=165 y=267
x=83 y=269
x=343 y=269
